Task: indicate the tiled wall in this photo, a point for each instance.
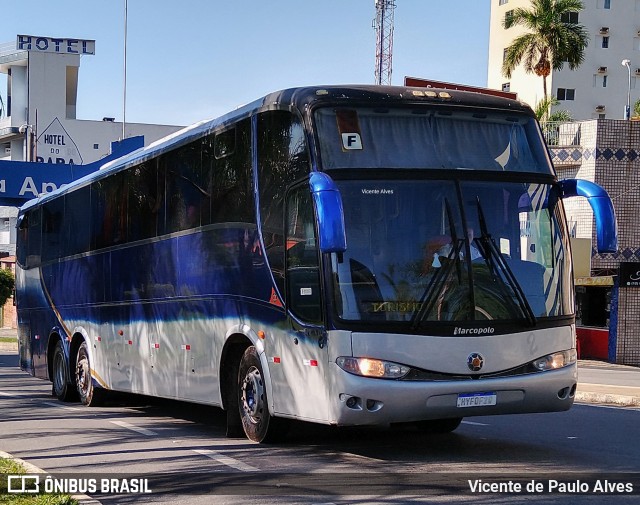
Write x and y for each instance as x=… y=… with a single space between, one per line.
x=609 y=155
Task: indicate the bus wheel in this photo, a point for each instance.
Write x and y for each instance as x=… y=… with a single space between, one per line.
x=257 y=422
x=439 y=425
x=62 y=389
x=89 y=395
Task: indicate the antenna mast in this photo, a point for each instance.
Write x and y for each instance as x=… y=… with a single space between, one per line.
x=384 y=39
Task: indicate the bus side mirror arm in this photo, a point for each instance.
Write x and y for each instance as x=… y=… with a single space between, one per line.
x=598 y=198
x=328 y=203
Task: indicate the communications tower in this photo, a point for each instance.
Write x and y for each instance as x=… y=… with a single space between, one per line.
x=384 y=39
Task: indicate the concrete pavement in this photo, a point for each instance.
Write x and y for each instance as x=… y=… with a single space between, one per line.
x=606 y=383
x=598 y=382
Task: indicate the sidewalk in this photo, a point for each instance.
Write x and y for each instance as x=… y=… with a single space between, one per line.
x=606 y=383
x=598 y=382
x=9 y=333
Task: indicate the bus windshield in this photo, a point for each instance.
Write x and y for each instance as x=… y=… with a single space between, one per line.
x=443 y=250
x=430 y=138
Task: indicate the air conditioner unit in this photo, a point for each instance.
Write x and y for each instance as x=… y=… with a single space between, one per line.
x=602 y=70
x=604 y=30
x=600 y=108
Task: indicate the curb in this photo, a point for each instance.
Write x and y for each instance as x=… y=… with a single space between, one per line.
x=608 y=399
x=83 y=499
x=8 y=347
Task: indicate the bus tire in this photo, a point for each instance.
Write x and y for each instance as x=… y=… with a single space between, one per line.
x=258 y=424
x=90 y=396
x=62 y=388
x=439 y=425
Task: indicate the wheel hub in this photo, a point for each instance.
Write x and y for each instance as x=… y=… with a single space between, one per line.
x=253 y=394
x=82 y=374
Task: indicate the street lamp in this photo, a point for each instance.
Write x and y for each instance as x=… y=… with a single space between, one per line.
x=27 y=131
x=627 y=110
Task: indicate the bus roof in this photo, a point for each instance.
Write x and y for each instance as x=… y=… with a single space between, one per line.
x=300 y=98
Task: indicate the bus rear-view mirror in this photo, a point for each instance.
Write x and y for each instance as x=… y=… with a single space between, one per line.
x=330 y=214
x=598 y=198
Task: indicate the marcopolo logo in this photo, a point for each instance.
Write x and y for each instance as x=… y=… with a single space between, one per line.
x=488 y=330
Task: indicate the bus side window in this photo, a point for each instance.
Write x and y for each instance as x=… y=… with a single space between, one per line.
x=109 y=211
x=52 y=232
x=226 y=164
x=77 y=232
x=146 y=200
x=22 y=242
x=282 y=159
x=29 y=233
x=185 y=191
x=303 y=272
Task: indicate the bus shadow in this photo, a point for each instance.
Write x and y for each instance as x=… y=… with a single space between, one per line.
x=380 y=445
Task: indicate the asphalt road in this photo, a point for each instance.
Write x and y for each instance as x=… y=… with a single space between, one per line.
x=182 y=451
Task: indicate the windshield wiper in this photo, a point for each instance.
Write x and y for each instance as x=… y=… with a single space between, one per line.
x=497 y=263
x=437 y=283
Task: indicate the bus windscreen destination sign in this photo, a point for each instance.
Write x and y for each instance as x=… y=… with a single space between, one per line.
x=55 y=45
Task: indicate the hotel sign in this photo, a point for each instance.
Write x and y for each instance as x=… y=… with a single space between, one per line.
x=55 y=45
x=630 y=275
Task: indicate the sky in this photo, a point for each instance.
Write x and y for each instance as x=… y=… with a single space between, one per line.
x=190 y=60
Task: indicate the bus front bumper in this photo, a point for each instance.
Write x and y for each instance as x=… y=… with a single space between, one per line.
x=359 y=400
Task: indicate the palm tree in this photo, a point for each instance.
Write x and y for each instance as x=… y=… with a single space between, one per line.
x=549 y=121
x=543 y=112
x=552 y=40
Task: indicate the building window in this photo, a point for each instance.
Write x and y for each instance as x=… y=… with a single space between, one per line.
x=602 y=116
x=570 y=17
x=566 y=94
x=604 y=81
x=605 y=42
x=506 y=86
x=607 y=4
x=508 y=15
x=504 y=55
x=96 y=146
x=502 y=2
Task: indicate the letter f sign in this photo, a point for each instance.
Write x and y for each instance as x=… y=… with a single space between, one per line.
x=351 y=141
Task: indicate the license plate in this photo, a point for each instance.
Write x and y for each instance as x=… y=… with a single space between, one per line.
x=477 y=399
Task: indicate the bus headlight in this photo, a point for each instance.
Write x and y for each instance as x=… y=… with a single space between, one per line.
x=368 y=367
x=556 y=360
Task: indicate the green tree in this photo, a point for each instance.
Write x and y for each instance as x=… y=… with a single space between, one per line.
x=545 y=114
x=551 y=41
x=7 y=282
x=636 y=108
x=549 y=119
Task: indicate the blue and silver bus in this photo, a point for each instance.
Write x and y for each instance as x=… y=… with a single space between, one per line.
x=341 y=255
